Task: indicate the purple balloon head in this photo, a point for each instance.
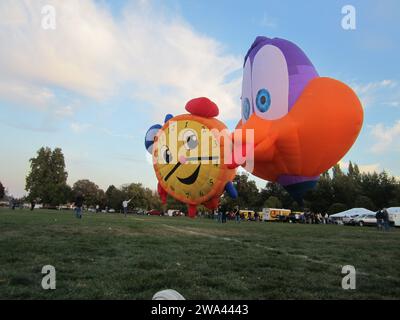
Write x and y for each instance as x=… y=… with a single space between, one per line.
x=300 y=68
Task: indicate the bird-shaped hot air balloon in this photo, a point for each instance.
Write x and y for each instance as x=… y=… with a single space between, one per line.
x=303 y=123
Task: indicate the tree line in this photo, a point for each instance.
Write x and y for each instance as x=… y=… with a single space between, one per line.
x=47 y=183
x=336 y=190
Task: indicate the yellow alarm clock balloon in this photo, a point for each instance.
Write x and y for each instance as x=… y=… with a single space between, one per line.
x=188 y=154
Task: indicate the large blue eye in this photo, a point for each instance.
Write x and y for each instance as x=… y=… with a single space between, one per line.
x=263 y=100
x=245 y=108
x=190 y=140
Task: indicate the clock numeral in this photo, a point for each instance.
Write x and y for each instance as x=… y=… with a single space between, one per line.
x=187 y=194
x=186 y=124
x=211 y=181
x=201 y=193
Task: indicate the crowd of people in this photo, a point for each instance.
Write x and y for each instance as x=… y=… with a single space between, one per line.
x=307 y=217
x=222 y=216
x=314 y=218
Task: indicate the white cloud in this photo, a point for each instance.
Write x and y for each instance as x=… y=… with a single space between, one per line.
x=268 y=22
x=364 y=168
x=385 y=92
x=26 y=94
x=77 y=127
x=386 y=137
x=155 y=55
x=370 y=168
x=117 y=135
x=66 y=111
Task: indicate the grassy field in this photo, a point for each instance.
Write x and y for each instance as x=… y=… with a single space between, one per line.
x=112 y=257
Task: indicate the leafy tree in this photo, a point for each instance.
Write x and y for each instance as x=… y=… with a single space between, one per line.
x=396 y=200
x=136 y=192
x=321 y=197
x=152 y=199
x=345 y=190
x=354 y=189
x=387 y=189
x=336 y=171
x=62 y=193
x=380 y=188
x=354 y=172
x=248 y=194
x=295 y=206
x=364 y=202
x=273 y=202
x=114 y=198
x=276 y=190
x=2 y=191
x=326 y=175
x=337 y=207
x=47 y=179
x=92 y=193
x=175 y=204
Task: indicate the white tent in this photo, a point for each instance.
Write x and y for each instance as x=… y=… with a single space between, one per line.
x=352 y=212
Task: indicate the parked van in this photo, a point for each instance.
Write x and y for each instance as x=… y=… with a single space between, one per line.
x=274 y=214
x=395 y=219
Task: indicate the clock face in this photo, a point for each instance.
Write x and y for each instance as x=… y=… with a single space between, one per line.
x=187 y=159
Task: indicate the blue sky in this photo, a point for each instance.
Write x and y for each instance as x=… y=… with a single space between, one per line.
x=111 y=69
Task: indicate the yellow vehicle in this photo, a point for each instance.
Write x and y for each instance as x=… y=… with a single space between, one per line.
x=246 y=214
x=274 y=214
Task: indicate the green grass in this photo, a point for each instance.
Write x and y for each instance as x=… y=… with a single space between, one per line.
x=112 y=257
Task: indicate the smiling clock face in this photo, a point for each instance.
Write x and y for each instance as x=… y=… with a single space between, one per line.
x=187 y=158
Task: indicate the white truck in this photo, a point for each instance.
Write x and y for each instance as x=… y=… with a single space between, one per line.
x=394 y=215
x=275 y=214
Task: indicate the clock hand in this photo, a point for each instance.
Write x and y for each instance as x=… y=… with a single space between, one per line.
x=187 y=159
x=172 y=171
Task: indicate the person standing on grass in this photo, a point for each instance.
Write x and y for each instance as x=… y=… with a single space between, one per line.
x=32 y=205
x=78 y=205
x=219 y=211
x=379 y=219
x=125 y=206
x=385 y=217
x=256 y=216
x=236 y=211
x=224 y=215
